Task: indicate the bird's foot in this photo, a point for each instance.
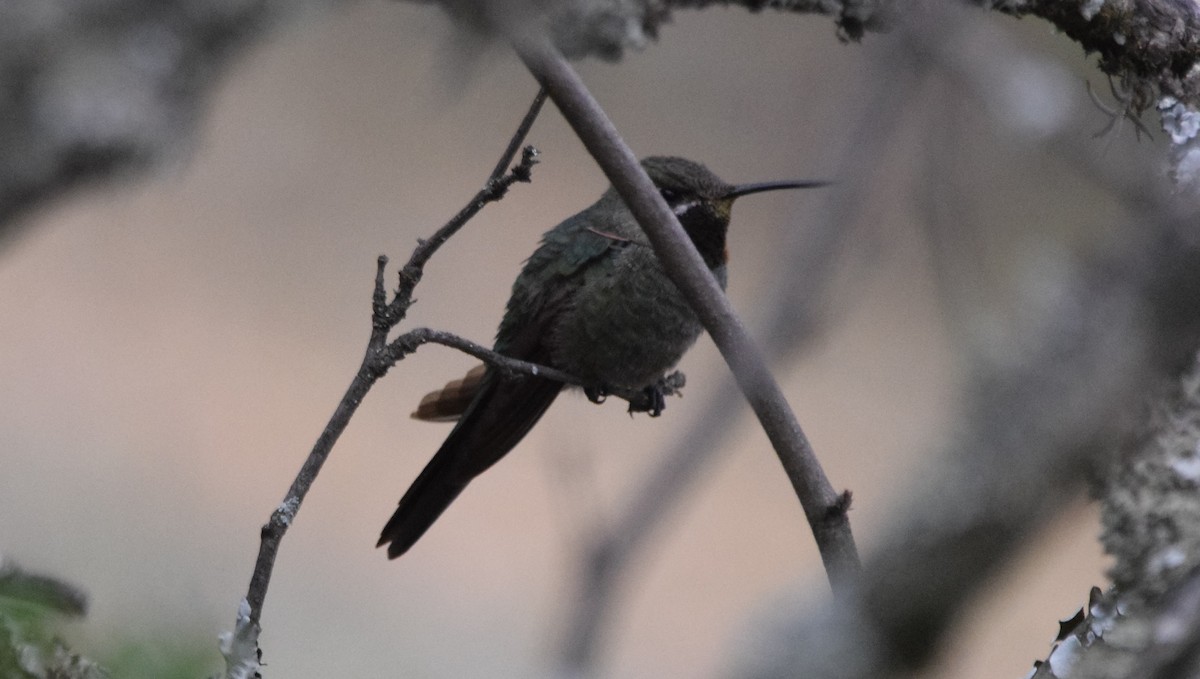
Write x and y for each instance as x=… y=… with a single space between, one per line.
x=649 y=400
x=672 y=384
x=652 y=401
x=596 y=394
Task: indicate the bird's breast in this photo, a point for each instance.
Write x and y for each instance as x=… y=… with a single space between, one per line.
x=627 y=324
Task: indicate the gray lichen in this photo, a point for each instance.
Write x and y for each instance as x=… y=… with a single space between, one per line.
x=1151 y=509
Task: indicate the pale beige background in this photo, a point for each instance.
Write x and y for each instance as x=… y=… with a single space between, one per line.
x=173 y=347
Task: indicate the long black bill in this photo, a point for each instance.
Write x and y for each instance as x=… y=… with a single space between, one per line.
x=758 y=187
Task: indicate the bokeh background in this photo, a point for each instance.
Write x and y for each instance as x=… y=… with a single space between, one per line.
x=173 y=345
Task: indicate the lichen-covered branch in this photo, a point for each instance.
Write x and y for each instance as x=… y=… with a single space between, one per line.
x=1153 y=46
x=1147 y=626
x=607 y=28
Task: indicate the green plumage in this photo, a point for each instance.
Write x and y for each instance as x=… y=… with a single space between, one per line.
x=593 y=301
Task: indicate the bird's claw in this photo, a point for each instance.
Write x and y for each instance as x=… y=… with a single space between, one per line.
x=653 y=401
x=658 y=400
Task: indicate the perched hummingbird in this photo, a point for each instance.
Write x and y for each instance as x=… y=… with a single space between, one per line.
x=592 y=301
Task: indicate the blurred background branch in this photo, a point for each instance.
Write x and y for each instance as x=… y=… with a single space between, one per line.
x=1063 y=376
x=99 y=90
x=32 y=607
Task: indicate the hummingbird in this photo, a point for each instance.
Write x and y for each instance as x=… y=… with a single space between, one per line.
x=592 y=301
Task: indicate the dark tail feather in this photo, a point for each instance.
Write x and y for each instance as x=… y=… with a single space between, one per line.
x=504 y=410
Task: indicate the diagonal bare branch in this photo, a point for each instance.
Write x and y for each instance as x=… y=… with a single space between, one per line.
x=823 y=506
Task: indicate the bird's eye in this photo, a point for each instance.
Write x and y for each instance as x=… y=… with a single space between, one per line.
x=670 y=196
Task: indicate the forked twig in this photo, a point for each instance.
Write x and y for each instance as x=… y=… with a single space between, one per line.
x=240 y=647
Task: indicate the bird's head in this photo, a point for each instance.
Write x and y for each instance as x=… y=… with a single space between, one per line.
x=703 y=202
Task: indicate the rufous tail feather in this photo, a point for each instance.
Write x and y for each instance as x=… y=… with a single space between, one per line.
x=450 y=402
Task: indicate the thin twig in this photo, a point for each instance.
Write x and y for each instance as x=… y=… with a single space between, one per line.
x=410 y=341
x=519 y=137
x=494 y=189
x=240 y=647
x=823 y=506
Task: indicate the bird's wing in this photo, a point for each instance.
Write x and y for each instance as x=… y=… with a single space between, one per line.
x=505 y=407
x=548 y=282
x=564 y=253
